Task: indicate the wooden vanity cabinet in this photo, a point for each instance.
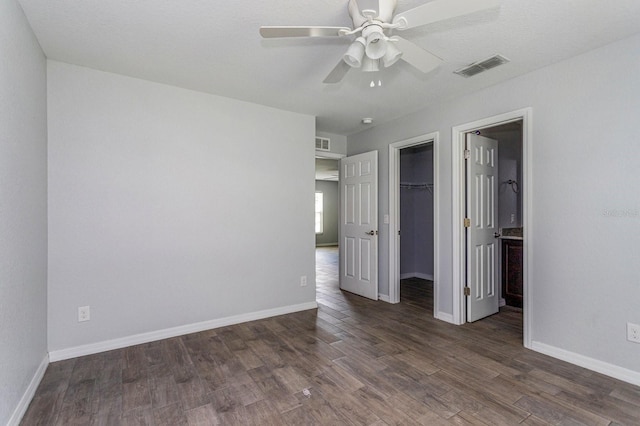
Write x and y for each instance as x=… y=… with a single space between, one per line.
x=512 y=272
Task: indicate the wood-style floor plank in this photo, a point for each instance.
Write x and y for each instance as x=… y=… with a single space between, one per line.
x=352 y=361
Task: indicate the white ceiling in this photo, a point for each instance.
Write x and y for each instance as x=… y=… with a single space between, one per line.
x=214 y=46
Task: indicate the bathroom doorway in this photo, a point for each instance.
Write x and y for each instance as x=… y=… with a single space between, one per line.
x=514 y=221
x=510 y=225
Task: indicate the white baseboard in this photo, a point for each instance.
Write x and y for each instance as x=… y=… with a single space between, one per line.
x=152 y=336
x=384 y=298
x=443 y=316
x=416 y=275
x=21 y=409
x=327 y=244
x=605 y=368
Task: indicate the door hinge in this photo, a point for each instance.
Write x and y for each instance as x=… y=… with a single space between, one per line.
x=467 y=222
x=467 y=291
x=467 y=154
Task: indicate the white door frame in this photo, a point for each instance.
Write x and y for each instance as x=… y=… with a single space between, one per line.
x=458 y=184
x=394 y=215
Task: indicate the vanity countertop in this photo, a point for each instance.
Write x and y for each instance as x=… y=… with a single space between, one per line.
x=511 y=233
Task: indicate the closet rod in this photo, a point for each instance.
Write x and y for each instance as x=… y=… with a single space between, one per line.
x=410 y=185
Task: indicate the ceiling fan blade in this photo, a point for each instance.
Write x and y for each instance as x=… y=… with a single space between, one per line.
x=439 y=10
x=417 y=56
x=275 y=32
x=337 y=74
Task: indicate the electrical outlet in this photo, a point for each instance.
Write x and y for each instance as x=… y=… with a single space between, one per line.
x=303 y=280
x=633 y=332
x=513 y=218
x=84 y=313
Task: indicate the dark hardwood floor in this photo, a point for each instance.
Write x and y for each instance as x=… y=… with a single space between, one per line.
x=353 y=361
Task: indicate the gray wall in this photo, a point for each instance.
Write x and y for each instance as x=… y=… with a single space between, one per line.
x=586 y=226
x=23 y=209
x=331 y=210
x=416 y=213
x=161 y=207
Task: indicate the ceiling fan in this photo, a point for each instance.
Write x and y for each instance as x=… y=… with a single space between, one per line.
x=373 y=22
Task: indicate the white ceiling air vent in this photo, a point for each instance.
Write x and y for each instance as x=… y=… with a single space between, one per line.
x=323 y=144
x=481 y=66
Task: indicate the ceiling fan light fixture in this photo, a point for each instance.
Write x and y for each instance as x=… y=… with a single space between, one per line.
x=376 y=44
x=355 y=53
x=391 y=56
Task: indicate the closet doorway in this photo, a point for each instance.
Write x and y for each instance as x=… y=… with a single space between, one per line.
x=412 y=219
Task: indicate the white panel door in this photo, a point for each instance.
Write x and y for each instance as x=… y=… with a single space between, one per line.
x=359 y=224
x=482 y=243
